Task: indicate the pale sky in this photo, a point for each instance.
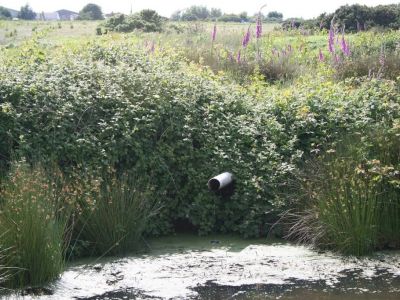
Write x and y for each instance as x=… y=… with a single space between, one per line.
x=289 y=8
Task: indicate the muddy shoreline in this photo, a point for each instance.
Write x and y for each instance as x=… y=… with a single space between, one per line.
x=226 y=267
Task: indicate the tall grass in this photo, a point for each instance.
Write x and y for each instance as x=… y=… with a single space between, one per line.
x=114 y=221
x=33 y=221
x=4 y=271
x=351 y=196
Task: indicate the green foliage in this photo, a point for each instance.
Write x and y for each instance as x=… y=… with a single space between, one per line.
x=113 y=222
x=4 y=271
x=4 y=13
x=110 y=105
x=195 y=12
x=33 y=224
x=215 y=13
x=275 y=15
x=26 y=13
x=202 y=13
x=360 y=17
x=91 y=12
x=146 y=20
x=352 y=194
x=230 y=18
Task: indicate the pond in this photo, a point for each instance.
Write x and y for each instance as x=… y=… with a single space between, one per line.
x=226 y=267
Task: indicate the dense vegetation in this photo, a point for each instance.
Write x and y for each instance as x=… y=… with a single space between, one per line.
x=26 y=13
x=354 y=18
x=114 y=137
x=202 y=13
x=146 y=20
x=4 y=13
x=91 y=12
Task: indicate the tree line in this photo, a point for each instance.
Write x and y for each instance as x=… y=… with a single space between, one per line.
x=202 y=13
x=353 y=18
x=89 y=12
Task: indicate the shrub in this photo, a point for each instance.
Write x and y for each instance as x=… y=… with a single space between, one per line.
x=33 y=223
x=91 y=12
x=352 y=195
x=146 y=20
x=114 y=221
x=379 y=65
x=111 y=106
x=4 y=13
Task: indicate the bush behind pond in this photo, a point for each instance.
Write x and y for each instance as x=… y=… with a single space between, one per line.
x=114 y=106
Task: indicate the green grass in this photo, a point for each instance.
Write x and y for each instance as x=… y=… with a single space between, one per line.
x=15 y=32
x=33 y=222
x=115 y=220
x=351 y=196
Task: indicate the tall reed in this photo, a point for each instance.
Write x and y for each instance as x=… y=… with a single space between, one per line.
x=33 y=222
x=115 y=220
x=351 y=196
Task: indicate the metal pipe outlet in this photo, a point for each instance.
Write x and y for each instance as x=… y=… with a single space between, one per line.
x=220 y=181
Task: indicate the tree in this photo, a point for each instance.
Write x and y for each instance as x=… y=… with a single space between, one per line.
x=387 y=15
x=26 y=13
x=91 y=12
x=151 y=20
x=230 y=18
x=243 y=16
x=350 y=16
x=275 y=16
x=215 y=13
x=4 y=13
x=146 y=20
x=176 y=16
x=196 y=13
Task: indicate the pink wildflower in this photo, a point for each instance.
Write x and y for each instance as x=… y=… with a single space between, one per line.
x=321 y=55
x=246 y=38
x=331 y=40
x=214 y=33
x=259 y=27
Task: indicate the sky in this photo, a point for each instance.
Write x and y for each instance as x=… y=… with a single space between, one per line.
x=289 y=8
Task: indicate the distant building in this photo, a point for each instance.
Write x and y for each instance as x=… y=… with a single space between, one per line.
x=59 y=15
x=46 y=16
x=67 y=15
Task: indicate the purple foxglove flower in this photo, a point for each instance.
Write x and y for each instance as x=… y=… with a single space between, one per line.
x=246 y=38
x=343 y=44
x=337 y=58
x=331 y=40
x=345 y=47
x=239 y=57
x=259 y=27
x=321 y=55
x=382 y=57
x=214 y=33
x=152 y=48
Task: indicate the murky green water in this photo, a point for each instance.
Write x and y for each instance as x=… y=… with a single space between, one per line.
x=223 y=267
